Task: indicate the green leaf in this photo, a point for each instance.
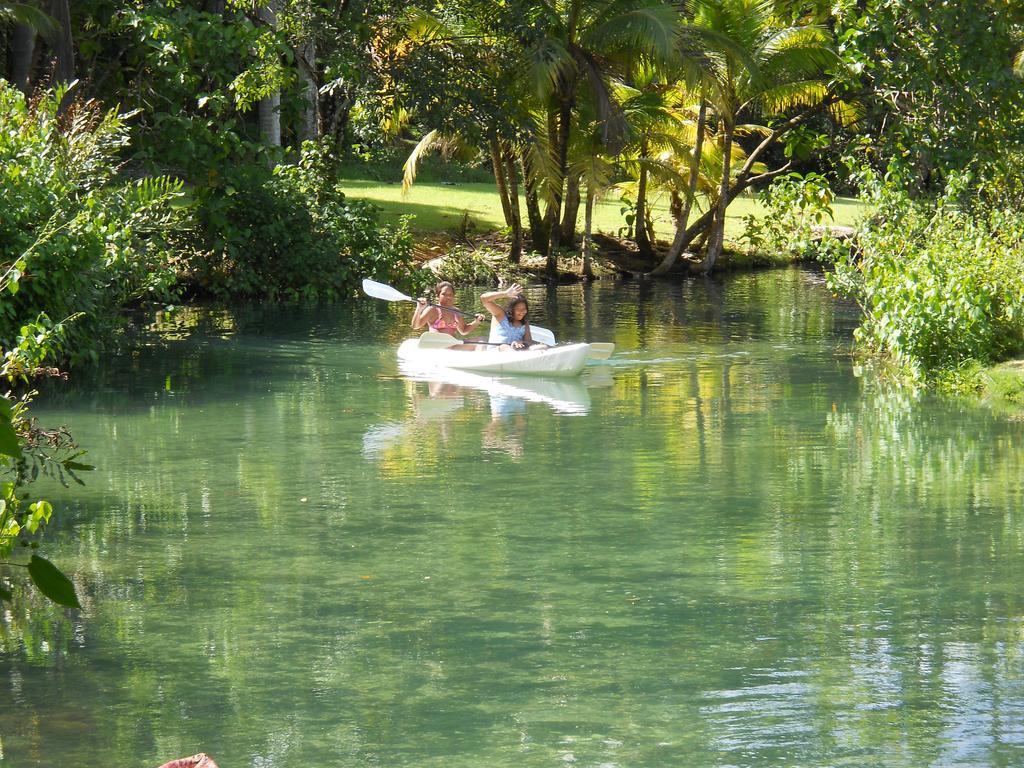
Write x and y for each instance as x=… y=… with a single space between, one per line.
x=52 y=582
x=5 y=594
x=77 y=465
x=9 y=445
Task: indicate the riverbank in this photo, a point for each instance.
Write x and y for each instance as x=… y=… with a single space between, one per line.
x=1000 y=385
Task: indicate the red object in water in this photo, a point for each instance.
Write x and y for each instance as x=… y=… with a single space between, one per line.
x=202 y=760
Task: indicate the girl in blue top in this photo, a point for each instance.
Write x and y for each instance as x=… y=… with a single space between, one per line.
x=512 y=319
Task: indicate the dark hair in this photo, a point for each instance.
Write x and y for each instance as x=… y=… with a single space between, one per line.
x=520 y=299
x=442 y=284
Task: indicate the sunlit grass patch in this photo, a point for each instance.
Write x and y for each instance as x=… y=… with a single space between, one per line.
x=442 y=207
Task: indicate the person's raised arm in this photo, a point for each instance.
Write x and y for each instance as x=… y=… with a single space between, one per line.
x=490 y=300
x=421 y=316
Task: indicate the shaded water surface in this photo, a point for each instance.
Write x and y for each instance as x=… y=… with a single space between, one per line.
x=724 y=549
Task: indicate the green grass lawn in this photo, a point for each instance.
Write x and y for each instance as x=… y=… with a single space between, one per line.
x=440 y=207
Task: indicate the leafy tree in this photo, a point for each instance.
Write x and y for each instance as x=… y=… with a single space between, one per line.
x=938 y=84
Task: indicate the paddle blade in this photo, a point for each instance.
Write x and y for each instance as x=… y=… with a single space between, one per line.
x=600 y=350
x=541 y=335
x=381 y=291
x=434 y=340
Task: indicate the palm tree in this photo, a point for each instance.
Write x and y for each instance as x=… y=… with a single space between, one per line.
x=659 y=134
x=783 y=66
x=578 y=46
x=751 y=62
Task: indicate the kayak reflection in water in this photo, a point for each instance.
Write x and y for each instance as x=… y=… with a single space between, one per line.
x=445 y=318
x=513 y=319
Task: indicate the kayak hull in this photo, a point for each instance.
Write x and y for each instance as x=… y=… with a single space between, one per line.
x=568 y=360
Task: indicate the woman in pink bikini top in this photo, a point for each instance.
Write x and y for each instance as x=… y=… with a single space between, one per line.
x=442 y=319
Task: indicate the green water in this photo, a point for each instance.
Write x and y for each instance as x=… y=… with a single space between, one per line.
x=724 y=549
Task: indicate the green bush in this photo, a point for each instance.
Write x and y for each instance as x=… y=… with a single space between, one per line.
x=76 y=238
x=940 y=286
x=291 y=234
x=796 y=208
x=462 y=265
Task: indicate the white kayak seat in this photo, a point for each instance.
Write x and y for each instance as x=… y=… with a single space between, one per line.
x=537 y=333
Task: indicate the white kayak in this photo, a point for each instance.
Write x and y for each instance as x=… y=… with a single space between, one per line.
x=567 y=360
x=565 y=395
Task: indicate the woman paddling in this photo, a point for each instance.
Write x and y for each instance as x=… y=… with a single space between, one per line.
x=445 y=318
x=513 y=322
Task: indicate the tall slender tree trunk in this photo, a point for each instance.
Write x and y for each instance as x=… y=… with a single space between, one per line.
x=716 y=238
x=20 y=51
x=268 y=110
x=588 y=221
x=306 y=60
x=564 y=129
x=63 y=48
x=643 y=241
x=571 y=210
x=516 y=248
x=538 y=234
x=498 y=167
x=553 y=212
x=680 y=240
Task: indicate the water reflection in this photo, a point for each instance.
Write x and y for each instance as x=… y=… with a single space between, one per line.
x=732 y=552
x=435 y=396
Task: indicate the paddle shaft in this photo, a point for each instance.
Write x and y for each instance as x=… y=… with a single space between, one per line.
x=441 y=340
x=387 y=293
x=450 y=309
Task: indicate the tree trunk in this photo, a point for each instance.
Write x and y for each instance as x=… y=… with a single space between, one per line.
x=63 y=48
x=680 y=241
x=23 y=45
x=572 y=209
x=305 y=58
x=551 y=213
x=562 y=147
x=538 y=234
x=588 y=220
x=338 y=123
x=498 y=167
x=717 y=236
x=269 y=109
x=643 y=242
x=675 y=207
x=516 y=250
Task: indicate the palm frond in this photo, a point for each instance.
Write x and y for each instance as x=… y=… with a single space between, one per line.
x=651 y=28
x=712 y=50
x=422 y=148
x=24 y=13
x=542 y=169
x=847 y=113
x=421 y=27
x=550 y=61
x=752 y=129
x=798 y=63
x=609 y=112
x=788 y=95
